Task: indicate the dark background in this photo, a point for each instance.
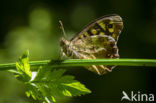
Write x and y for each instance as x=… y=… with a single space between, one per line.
x=33 y=25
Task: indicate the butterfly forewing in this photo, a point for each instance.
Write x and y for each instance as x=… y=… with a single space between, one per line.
x=110 y=25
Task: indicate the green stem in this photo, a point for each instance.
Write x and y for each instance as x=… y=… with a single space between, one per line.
x=86 y=62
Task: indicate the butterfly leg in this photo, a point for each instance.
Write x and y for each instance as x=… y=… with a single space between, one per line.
x=96 y=69
x=105 y=68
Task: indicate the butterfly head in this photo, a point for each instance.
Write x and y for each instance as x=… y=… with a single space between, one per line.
x=65 y=46
x=63 y=42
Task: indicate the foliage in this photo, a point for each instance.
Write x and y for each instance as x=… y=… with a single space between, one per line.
x=47 y=84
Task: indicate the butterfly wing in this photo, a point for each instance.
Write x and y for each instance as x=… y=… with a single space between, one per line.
x=99 y=40
x=96 y=47
x=110 y=25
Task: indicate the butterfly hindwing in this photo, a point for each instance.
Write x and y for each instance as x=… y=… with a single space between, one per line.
x=97 y=47
x=96 y=44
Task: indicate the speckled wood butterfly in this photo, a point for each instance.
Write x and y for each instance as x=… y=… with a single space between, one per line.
x=96 y=41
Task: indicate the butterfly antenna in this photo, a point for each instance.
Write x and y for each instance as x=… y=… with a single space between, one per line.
x=62 y=28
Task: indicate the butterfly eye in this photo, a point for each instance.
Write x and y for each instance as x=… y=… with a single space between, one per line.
x=110 y=25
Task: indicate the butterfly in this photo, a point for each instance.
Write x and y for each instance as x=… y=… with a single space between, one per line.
x=97 y=40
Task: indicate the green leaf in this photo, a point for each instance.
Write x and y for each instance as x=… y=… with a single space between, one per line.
x=24 y=73
x=78 y=86
x=48 y=85
x=66 y=93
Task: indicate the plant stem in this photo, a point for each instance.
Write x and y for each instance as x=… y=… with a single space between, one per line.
x=86 y=62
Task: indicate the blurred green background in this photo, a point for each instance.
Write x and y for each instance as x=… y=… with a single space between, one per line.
x=33 y=25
